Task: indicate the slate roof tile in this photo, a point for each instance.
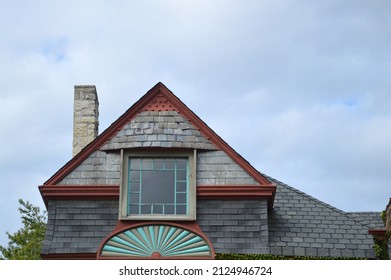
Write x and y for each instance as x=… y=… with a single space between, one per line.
x=328 y=231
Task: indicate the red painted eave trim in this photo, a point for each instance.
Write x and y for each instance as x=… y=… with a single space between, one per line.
x=227 y=192
x=112 y=192
x=79 y=192
x=377 y=231
x=245 y=192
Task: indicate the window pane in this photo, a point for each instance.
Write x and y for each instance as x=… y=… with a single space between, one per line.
x=146 y=209
x=158 y=187
x=147 y=164
x=181 y=186
x=181 y=210
x=135 y=175
x=133 y=209
x=158 y=163
x=181 y=164
x=181 y=175
x=134 y=186
x=157 y=209
x=134 y=164
x=169 y=209
x=170 y=163
x=134 y=198
x=181 y=198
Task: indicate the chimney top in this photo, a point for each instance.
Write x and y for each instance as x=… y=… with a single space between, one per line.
x=85 y=116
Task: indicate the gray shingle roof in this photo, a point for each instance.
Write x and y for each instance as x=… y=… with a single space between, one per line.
x=302 y=225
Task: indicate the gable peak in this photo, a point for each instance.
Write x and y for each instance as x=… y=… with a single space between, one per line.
x=159 y=99
x=159 y=103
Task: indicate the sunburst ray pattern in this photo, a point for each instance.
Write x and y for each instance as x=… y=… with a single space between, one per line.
x=167 y=241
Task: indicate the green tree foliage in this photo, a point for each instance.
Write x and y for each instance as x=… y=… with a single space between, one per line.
x=26 y=243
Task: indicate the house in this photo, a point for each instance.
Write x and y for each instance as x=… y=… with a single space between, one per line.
x=159 y=183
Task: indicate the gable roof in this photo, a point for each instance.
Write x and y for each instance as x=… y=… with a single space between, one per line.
x=158 y=98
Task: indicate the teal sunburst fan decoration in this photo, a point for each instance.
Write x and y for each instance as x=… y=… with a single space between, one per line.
x=162 y=240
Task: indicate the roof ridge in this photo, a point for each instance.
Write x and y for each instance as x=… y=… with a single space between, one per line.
x=304 y=194
x=361 y=212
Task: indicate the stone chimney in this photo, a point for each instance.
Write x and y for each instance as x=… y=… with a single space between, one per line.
x=85 y=117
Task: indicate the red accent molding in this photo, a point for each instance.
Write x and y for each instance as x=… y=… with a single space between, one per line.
x=123 y=225
x=235 y=192
x=79 y=192
x=69 y=256
x=111 y=192
x=379 y=232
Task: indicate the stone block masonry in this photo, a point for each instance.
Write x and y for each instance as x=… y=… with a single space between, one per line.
x=85 y=117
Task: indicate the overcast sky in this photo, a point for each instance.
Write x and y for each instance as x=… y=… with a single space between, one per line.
x=301 y=89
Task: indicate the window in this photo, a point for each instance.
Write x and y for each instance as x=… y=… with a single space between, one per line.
x=158 y=186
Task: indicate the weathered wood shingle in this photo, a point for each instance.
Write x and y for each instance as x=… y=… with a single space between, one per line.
x=78 y=226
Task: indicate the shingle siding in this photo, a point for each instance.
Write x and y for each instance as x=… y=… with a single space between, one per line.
x=103 y=168
x=159 y=129
x=78 y=226
x=100 y=168
x=232 y=226
x=217 y=168
x=235 y=226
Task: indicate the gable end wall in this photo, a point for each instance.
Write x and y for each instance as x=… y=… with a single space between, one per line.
x=213 y=168
x=167 y=129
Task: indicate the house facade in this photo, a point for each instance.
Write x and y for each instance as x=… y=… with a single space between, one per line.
x=159 y=184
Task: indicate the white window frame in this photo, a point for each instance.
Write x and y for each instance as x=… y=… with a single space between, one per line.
x=123 y=196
